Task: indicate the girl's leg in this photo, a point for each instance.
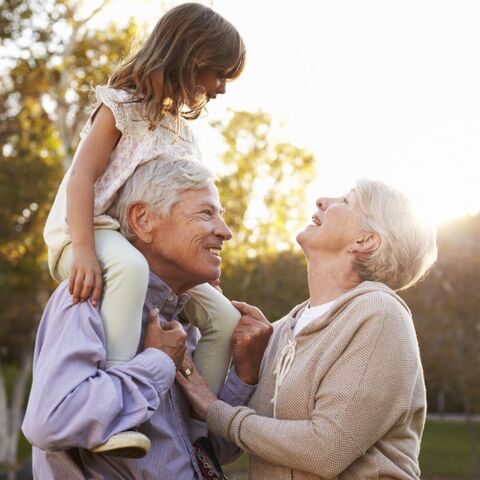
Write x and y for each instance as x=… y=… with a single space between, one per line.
x=216 y=318
x=125 y=281
x=125 y=274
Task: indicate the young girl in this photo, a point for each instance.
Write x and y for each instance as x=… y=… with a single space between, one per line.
x=184 y=63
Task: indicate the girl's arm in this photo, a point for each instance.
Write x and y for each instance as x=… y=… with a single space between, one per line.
x=89 y=163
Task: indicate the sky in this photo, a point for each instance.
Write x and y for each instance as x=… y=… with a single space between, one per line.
x=374 y=88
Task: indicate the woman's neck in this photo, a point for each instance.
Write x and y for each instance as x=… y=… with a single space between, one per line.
x=329 y=278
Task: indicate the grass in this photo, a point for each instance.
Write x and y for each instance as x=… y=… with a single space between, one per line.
x=446 y=449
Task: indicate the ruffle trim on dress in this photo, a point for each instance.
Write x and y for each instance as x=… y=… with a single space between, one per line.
x=128 y=117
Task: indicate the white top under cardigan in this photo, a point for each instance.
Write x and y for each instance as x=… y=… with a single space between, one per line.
x=309 y=314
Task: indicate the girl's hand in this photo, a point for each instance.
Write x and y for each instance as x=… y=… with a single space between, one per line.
x=86 y=276
x=195 y=388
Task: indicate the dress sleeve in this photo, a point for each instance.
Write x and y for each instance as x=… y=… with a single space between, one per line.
x=118 y=101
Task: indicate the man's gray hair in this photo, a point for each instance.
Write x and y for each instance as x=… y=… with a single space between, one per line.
x=159 y=183
x=408 y=245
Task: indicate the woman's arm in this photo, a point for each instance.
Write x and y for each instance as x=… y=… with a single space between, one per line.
x=352 y=411
x=89 y=163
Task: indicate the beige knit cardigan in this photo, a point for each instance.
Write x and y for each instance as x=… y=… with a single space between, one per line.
x=352 y=404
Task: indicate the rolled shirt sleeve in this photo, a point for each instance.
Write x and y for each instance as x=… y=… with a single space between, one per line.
x=74 y=402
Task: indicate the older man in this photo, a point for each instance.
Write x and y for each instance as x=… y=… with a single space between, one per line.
x=76 y=402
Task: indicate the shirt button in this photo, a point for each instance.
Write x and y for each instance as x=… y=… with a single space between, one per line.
x=170 y=298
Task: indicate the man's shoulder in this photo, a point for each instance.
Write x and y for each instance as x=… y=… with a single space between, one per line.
x=61 y=300
x=60 y=312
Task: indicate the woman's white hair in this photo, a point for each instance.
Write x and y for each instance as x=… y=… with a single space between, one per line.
x=159 y=183
x=408 y=246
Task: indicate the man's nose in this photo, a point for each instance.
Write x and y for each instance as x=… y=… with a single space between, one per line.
x=222 y=230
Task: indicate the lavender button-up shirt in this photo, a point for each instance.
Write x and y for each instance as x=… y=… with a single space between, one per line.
x=76 y=403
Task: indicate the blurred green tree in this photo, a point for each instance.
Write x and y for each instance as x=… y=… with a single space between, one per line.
x=264 y=195
x=50 y=56
x=446 y=308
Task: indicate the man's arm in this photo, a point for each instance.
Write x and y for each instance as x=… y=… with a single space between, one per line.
x=73 y=401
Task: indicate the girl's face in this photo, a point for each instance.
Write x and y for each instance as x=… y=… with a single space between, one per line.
x=212 y=83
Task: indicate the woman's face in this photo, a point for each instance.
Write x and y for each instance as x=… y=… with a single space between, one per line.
x=212 y=83
x=335 y=225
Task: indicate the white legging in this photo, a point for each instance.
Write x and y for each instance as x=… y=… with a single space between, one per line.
x=126 y=274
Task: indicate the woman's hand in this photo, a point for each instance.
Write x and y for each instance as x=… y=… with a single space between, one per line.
x=249 y=341
x=195 y=388
x=85 y=276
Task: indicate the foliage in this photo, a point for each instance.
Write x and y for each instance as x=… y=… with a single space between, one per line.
x=51 y=59
x=446 y=307
x=274 y=283
x=263 y=194
x=264 y=190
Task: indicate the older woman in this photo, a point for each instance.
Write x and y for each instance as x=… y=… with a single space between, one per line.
x=341 y=391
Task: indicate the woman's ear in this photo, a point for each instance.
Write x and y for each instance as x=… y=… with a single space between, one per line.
x=367 y=243
x=138 y=215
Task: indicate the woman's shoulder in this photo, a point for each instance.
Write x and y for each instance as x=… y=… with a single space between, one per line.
x=376 y=304
x=376 y=296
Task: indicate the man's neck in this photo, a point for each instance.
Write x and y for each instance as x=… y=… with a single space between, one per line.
x=176 y=282
x=169 y=272
x=161 y=296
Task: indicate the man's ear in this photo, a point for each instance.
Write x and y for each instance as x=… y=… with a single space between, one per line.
x=139 y=221
x=367 y=243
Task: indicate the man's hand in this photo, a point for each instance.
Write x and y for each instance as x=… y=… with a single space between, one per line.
x=249 y=341
x=169 y=337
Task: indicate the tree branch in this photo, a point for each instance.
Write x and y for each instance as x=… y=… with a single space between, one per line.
x=80 y=23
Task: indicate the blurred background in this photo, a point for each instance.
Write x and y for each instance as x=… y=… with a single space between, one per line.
x=332 y=92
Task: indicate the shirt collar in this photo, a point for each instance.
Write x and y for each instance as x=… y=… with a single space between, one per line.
x=161 y=296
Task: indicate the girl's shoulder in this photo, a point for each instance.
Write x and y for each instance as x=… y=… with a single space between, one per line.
x=127 y=112
x=130 y=120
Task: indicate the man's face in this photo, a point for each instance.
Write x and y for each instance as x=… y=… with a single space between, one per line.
x=187 y=244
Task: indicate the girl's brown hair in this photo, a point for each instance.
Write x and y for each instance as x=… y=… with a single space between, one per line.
x=163 y=74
